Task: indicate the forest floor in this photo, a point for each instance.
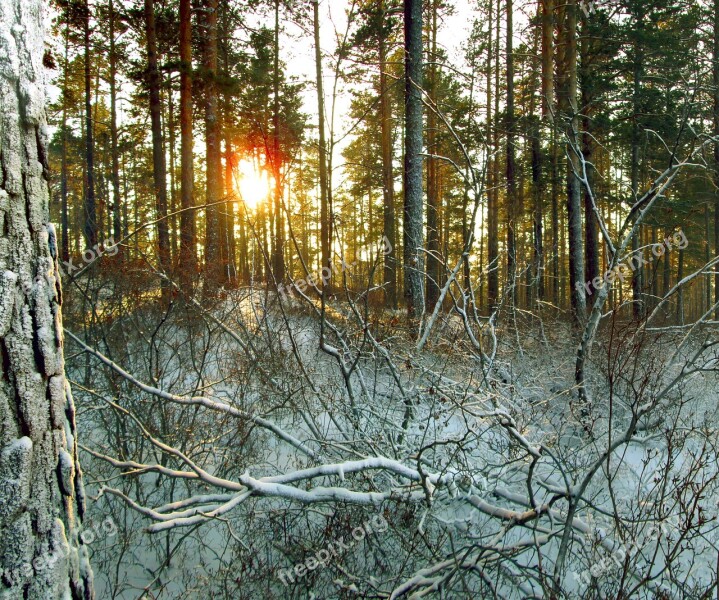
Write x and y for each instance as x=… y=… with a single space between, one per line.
x=434 y=409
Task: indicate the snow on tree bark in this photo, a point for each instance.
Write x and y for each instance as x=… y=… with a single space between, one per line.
x=41 y=491
x=414 y=139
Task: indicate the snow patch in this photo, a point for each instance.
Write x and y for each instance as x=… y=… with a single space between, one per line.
x=66 y=471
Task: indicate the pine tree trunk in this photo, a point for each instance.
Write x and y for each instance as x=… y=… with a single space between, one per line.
x=159 y=168
x=230 y=216
x=569 y=113
x=90 y=229
x=325 y=217
x=547 y=59
x=493 y=194
x=548 y=109
x=389 y=227
x=413 y=242
x=433 y=200
x=538 y=218
x=715 y=76
x=188 y=247
x=171 y=147
x=212 y=140
x=638 y=308
x=510 y=163
x=554 y=175
x=591 y=227
x=279 y=233
x=537 y=160
x=225 y=216
x=41 y=496
x=116 y=198
x=65 y=252
x=680 y=291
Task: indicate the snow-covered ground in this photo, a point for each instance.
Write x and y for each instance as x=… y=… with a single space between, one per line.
x=263 y=436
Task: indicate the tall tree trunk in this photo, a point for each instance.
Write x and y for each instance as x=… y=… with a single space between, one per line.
x=591 y=227
x=537 y=186
x=116 y=198
x=41 y=496
x=433 y=200
x=548 y=111
x=225 y=231
x=325 y=216
x=279 y=233
x=171 y=139
x=159 y=168
x=666 y=268
x=230 y=214
x=538 y=220
x=554 y=184
x=188 y=244
x=638 y=308
x=90 y=228
x=680 y=291
x=493 y=194
x=569 y=113
x=547 y=59
x=413 y=242
x=213 y=267
x=244 y=246
x=715 y=77
x=510 y=162
x=65 y=253
x=655 y=272
x=388 y=216
x=707 y=282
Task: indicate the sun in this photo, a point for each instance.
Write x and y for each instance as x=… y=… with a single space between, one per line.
x=253 y=183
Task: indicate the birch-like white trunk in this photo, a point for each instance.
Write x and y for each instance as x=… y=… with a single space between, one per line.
x=41 y=493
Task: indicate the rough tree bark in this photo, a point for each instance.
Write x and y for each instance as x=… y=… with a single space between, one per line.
x=413 y=242
x=90 y=214
x=567 y=95
x=433 y=174
x=715 y=76
x=390 y=259
x=279 y=233
x=188 y=248
x=41 y=491
x=64 y=216
x=493 y=193
x=116 y=198
x=591 y=226
x=213 y=267
x=159 y=168
x=537 y=288
x=548 y=109
x=638 y=308
x=325 y=216
x=512 y=201
x=226 y=209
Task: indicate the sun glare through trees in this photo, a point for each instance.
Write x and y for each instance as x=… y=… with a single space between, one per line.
x=253 y=183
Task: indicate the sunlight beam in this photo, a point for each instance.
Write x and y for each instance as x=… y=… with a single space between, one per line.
x=253 y=184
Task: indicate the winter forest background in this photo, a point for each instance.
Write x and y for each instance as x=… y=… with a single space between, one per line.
x=364 y=299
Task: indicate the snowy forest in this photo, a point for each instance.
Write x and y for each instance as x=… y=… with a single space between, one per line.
x=336 y=299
